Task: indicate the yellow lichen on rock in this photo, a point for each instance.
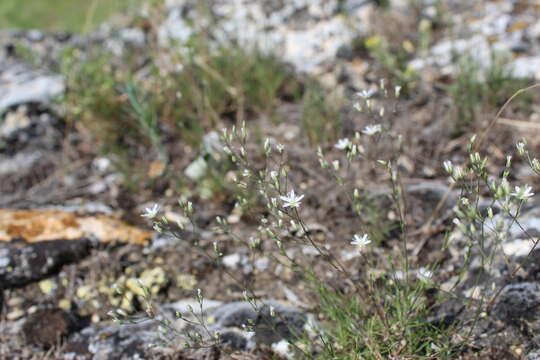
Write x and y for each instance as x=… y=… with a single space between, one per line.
x=49 y=224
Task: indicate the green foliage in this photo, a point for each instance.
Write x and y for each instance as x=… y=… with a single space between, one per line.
x=60 y=15
x=204 y=89
x=227 y=83
x=146 y=116
x=94 y=99
x=467 y=92
x=321 y=116
x=475 y=88
x=393 y=60
x=391 y=323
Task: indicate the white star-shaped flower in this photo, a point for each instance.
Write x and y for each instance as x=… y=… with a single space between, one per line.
x=366 y=94
x=342 y=144
x=291 y=200
x=371 y=130
x=523 y=193
x=424 y=274
x=361 y=241
x=151 y=212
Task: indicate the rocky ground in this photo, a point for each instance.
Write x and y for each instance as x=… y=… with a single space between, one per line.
x=70 y=228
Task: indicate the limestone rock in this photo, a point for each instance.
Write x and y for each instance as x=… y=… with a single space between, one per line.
x=20 y=84
x=49 y=224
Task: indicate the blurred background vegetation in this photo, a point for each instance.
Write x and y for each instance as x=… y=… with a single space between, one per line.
x=60 y=15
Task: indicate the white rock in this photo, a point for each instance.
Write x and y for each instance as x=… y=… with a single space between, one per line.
x=20 y=85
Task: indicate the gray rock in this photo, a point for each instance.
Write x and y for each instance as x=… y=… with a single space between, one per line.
x=518 y=301
x=305 y=33
x=21 y=264
x=535 y=355
x=234 y=339
x=125 y=342
x=35 y=35
x=20 y=84
x=271 y=320
x=46 y=327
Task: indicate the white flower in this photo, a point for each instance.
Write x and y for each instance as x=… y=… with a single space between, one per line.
x=521 y=148
x=291 y=200
x=535 y=164
x=371 y=130
x=360 y=241
x=151 y=212
x=424 y=274
x=366 y=94
x=508 y=161
x=448 y=167
x=397 y=91
x=342 y=144
x=522 y=193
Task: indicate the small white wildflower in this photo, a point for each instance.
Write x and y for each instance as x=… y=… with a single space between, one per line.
x=508 y=161
x=357 y=106
x=189 y=208
x=397 y=91
x=475 y=158
x=448 y=167
x=266 y=145
x=353 y=151
x=343 y=144
x=535 y=164
x=199 y=295
x=371 y=130
x=151 y=212
x=279 y=148
x=425 y=274
x=381 y=112
x=522 y=193
x=335 y=164
x=360 y=241
x=369 y=104
x=366 y=94
x=292 y=200
x=458 y=173
x=520 y=146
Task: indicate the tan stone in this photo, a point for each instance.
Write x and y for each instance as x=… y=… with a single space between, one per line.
x=46 y=224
